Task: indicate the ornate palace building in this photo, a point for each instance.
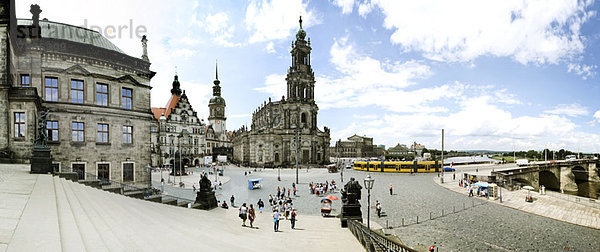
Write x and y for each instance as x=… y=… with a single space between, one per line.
x=280 y=129
x=98 y=98
x=179 y=129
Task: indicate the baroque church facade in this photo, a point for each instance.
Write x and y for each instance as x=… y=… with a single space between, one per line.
x=179 y=132
x=97 y=98
x=285 y=129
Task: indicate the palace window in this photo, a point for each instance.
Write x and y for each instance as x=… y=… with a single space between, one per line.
x=51 y=88
x=126 y=97
x=77 y=129
x=52 y=128
x=127 y=134
x=102 y=94
x=25 y=82
x=76 y=91
x=102 y=136
x=19 y=124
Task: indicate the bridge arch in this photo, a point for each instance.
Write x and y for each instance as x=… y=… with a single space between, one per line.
x=580 y=174
x=549 y=180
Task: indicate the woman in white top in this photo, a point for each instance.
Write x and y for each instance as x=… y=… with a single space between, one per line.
x=243 y=214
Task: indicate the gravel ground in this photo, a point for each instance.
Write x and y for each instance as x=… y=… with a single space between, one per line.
x=480 y=227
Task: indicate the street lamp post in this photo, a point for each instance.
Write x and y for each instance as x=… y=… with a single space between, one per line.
x=369 y=185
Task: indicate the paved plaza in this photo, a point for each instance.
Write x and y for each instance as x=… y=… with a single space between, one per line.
x=47 y=213
x=476 y=225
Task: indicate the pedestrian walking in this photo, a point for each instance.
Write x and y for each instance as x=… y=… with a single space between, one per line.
x=251 y=215
x=194 y=187
x=276 y=219
x=378 y=207
x=391 y=189
x=453 y=175
x=232 y=199
x=243 y=213
x=293 y=218
x=260 y=205
x=270 y=199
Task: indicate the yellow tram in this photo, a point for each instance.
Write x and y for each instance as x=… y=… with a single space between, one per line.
x=398 y=166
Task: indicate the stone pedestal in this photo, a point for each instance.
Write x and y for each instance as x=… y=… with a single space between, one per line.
x=41 y=160
x=206 y=199
x=350 y=212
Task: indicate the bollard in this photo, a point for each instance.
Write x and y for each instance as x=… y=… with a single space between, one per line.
x=417 y=219
x=387 y=224
x=454 y=209
x=403 y=222
x=430 y=215
x=442 y=212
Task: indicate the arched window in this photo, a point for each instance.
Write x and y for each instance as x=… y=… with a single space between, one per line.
x=276 y=157
x=303 y=118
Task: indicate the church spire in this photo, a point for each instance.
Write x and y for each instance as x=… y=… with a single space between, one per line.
x=216 y=70
x=176 y=90
x=216 y=81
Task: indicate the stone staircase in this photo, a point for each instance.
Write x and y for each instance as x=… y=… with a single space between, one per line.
x=62 y=215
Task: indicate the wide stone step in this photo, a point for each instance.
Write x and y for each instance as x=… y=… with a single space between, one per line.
x=40 y=217
x=97 y=219
x=69 y=231
x=89 y=234
x=139 y=194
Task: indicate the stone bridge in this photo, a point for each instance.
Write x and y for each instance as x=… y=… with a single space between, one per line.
x=562 y=175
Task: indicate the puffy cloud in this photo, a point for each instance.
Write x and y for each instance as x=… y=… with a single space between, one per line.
x=573 y=110
x=346 y=5
x=583 y=70
x=270 y=20
x=538 y=31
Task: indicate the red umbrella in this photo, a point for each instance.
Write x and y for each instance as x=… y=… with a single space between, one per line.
x=331 y=197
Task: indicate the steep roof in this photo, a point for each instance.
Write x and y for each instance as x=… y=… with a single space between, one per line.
x=171 y=104
x=158 y=112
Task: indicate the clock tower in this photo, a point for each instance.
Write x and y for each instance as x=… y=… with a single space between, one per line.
x=216 y=107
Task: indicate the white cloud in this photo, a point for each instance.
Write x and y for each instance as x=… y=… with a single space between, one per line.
x=271 y=20
x=538 y=31
x=479 y=123
x=572 y=110
x=239 y=116
x=270 y=47
x=597 y=115
x=216 y=22
x=346 y=5
x=275 y=85
x=583 y=70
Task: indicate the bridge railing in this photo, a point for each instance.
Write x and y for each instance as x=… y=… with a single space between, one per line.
x=373 y=241
x=595 y=203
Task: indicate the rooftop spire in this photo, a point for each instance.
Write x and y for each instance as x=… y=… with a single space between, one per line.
x=216 y=81
x=300 y=21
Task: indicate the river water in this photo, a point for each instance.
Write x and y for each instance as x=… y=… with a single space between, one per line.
x=588 y=189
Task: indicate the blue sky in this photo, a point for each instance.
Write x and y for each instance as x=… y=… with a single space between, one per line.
x=495 y=75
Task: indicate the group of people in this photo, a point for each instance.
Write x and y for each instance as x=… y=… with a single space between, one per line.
x=322 y=188
x=247 y=213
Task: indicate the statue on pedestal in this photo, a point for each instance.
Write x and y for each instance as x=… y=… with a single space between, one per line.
x=205 y=197
x=350 y=205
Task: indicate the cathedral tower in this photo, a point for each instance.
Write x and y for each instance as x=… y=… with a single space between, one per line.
x=300 y=78
x=217 y=107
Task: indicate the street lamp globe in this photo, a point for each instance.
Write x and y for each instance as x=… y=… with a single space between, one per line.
x=369 y=182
